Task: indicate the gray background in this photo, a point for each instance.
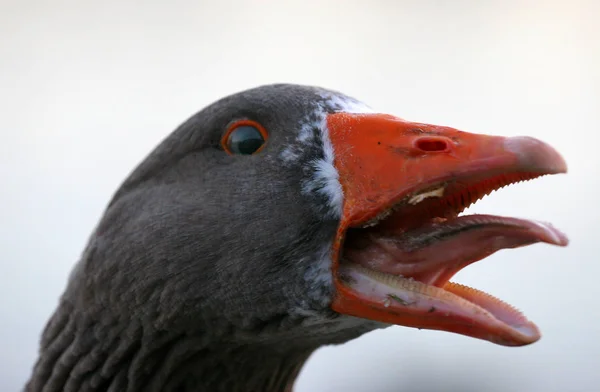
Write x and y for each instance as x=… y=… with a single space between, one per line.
x=87 y=88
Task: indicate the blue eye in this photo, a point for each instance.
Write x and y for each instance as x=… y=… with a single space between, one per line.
x=244 y=138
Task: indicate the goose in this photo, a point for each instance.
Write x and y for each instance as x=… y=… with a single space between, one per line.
x=275 y=221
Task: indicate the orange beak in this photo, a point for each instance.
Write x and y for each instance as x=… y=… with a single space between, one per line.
x=400 y=238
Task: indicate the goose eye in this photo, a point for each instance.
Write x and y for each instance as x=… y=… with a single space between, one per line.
x=244 y=138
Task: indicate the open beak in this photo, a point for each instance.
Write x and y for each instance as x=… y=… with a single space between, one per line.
x=401 y=236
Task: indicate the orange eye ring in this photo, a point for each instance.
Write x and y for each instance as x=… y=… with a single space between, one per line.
x=244 y=137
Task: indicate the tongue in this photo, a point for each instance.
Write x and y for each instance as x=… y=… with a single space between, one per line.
x=432 y=254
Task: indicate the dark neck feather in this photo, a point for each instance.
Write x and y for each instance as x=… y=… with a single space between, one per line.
x=80 y=354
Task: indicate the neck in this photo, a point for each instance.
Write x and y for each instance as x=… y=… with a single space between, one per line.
x=244 y=369
x=79 y=354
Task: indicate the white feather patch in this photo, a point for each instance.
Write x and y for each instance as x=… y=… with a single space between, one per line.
x=345 y=104
x=325 y=180
x=319 y=278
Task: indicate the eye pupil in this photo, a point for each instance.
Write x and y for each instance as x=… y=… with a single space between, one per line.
x=245 y=140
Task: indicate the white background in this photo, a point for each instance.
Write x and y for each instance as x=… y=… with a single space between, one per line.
x=88 y=88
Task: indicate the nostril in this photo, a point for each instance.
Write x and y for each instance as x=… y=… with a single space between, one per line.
x=432 y=144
